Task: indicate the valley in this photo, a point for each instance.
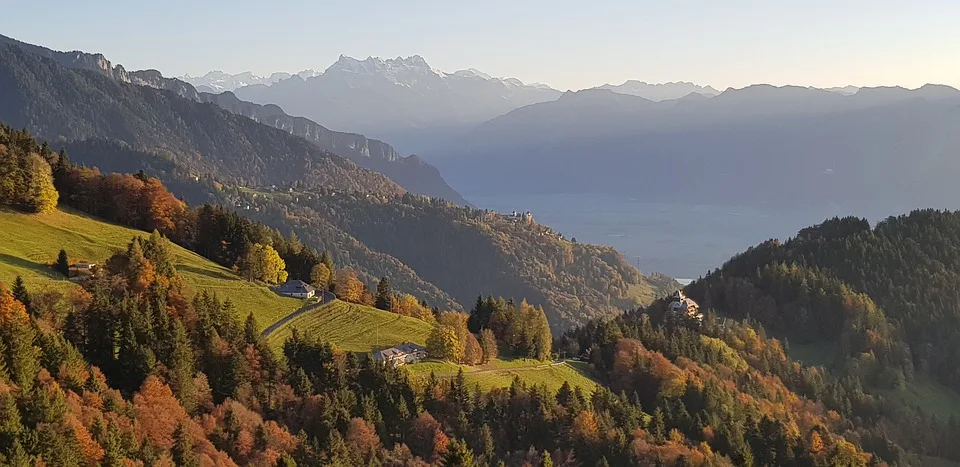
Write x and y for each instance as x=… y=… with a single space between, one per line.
x=386 y=264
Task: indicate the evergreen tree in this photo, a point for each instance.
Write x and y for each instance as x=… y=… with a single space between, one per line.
x=63 y=263
x=182 y=450
x=458 y=455
x=182 y=368
x=251 y=335
x=384 y=294
x=328 y=262
x=20 y=293
x=17 y=456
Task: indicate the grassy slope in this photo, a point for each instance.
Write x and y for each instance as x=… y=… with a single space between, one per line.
x=355 y=328
x=28 y=243
x=500 y=373
x=358 y=328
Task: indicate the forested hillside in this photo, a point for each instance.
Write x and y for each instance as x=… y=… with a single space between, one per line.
x=875 y=306
x=132 y=367
x=196 y=139
x=461 y=249
x=411 y=172
x=205 y=154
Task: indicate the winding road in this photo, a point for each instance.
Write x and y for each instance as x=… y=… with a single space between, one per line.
x=325 y=297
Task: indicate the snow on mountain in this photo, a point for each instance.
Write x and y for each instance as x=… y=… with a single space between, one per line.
x=218 y=81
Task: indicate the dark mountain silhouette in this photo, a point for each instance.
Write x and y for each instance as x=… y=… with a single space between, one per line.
x=760 y=145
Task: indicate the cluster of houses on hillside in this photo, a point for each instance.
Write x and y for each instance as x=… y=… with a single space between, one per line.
x=521 y=217
x=400 y=355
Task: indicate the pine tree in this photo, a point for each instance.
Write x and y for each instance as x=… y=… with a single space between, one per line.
x=458 y=455
x=18 y=456
x=63 y=263
x=20 y=293
x=250 y=333
x=328 y=262
x=182 y=451
x=182 y=368
x=384 y=294
x=657 y=426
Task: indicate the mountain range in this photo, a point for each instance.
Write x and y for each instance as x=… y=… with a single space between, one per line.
x=217 y=81
x=207 y=153
x=412 y=173
x=659 y=91
x=401 y=100
x=779 y=141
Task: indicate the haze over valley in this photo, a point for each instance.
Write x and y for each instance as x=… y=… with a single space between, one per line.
x=515 y=234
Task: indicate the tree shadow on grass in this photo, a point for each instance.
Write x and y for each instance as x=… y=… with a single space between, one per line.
x=39 y=268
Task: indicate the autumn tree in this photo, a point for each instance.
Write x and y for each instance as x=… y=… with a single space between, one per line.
x=488 y=342
x=362 y=438
x=472 y=351
x=320 y=276
x=426 y=438
x=443 y=343
x=348 y=287
x=41 y=195
x=263 y=263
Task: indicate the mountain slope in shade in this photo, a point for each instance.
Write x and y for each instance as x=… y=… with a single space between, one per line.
x=60 y=104
x=411 y=172
x=659 y=91
x=99 y=64
x=401 y=100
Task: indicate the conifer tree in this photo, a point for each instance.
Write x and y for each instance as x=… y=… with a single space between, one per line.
x=458 y=455
x=328 y=262
x=20 y=293
x=63 y=263
x=384 y=294
x=250 y=333
x=182 y=368
x=182 y=451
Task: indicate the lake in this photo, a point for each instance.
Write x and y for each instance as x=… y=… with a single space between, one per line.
x=680 y=240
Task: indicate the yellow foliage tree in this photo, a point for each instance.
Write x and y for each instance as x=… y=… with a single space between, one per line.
x=349 y=288
x=444 y=344
x=262 y=262
x=320 y=276
x=42 y=196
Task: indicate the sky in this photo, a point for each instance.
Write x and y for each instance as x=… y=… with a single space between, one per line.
x=566 y=44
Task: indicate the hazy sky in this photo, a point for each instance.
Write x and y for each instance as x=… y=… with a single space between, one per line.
x=567 y=44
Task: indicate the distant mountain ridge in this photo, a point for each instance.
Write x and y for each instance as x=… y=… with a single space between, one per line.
x=795 y=145
x=659 y=91
x=401 y=100
x=217 y=81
